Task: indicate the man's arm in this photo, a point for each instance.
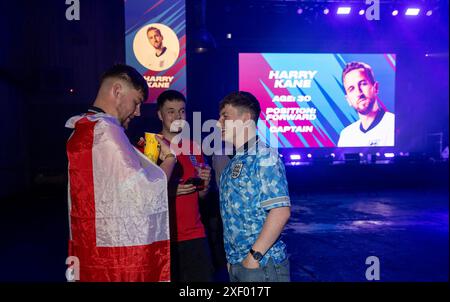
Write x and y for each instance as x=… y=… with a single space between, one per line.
x=274 y=198
x=272 y=228
x=168 y=158
x=206 y=176
x=205 y=173
x=167 y=163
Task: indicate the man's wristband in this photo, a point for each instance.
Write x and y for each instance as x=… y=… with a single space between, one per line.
x=169 y=155
x=256 y=255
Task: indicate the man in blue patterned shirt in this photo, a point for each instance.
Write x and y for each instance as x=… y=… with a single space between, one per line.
x=254 y=198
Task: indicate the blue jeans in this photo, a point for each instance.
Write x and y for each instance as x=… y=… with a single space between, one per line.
x=271 y=272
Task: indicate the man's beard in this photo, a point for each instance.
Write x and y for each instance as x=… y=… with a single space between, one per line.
x=367 y=109
x=126 y=123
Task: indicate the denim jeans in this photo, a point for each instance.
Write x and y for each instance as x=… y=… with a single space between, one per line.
x=271 y=272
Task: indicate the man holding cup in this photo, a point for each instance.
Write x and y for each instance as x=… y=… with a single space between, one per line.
x=190 y=252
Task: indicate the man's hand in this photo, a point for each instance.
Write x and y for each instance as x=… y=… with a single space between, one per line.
x=250 y=262
x=165 y=147
x=205 y=175
x=141 y=142
x=185 y=189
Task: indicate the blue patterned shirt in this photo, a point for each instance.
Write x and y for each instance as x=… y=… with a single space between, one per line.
x=253 y=182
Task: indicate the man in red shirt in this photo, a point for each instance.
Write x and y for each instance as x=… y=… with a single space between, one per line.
x=190 y=252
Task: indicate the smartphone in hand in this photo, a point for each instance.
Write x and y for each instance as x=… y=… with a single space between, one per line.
x=196 y=181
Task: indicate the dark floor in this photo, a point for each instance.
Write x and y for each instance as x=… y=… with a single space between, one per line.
x=329 y=236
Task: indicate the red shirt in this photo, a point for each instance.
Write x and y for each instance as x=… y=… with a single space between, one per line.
x=184 y=211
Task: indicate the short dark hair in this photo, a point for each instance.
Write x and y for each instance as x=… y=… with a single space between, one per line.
x=243 y=100
x=129 y=74
x=169 y=95
x=155 y=29
x=358 y=65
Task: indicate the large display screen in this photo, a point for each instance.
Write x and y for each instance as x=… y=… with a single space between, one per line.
x=155 y=43
x=312 y=100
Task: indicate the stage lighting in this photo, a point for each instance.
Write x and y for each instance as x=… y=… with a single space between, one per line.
x=412 y=11
x=300 y=11
x=395 y=13
x=361 y=154
x=295 y=157
x=326 y=11
x=203 y=41
x=389 y=155
x=333 y=155
x=229 y=36
x=429 y=13
x=343 y=10
x=378 y=154
x=361 y=12
x=309 y=155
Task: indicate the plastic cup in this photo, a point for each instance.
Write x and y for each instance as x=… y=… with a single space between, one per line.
x=152 y=147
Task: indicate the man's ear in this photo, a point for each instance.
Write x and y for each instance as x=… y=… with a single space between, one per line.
x=117 y=89
x=376 y=86
x=159 y=115
x=246 y=116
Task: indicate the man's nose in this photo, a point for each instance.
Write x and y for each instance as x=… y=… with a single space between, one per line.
x=137 y=112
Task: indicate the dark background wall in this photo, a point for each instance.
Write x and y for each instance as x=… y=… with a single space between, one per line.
x=43 y=56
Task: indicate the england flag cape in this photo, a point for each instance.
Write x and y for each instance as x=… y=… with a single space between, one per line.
x=118 y=206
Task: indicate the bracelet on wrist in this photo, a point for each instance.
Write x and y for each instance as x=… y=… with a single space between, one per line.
x=169 y=155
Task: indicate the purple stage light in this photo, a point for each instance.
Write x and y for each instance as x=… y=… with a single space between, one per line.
x=309 y=155
x=333 y=155
x=344 y=10
x=395 y=13
x=389 y=155
x=295 y=157
x=361 y=154
x=326 y=11
x=361 y=12
x=377 y=154
x=412 y=11
x=429 y=13
x=300 y=11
